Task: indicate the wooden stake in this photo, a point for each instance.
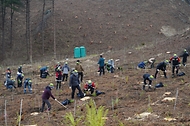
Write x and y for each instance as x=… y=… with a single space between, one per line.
x=20 y=111
x=176 y=99
x=5 y=112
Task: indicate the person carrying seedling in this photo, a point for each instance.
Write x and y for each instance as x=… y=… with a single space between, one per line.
x=74 y=84
x=161 y=66
x=58 y=77
x=80 y=70
x=45 y=97
x=110 y=65
x=65 y=70
x=28 y=83
x=101 y=65
x=57 y=66
x=142 y=65
x=89 y=87
x=8 y=73
x=185 y=55
x=10 y=84
x=44 y=71
x=175 y=60
x=149 y=78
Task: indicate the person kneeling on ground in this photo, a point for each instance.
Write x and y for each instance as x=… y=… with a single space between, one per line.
x=142 y=65
x=147 y=77
x=10 y=83
x=28 y=83
x=89 y=87
x=44 y=72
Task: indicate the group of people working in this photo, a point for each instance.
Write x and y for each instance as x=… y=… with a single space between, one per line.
x=175 y=63
x=10 y=81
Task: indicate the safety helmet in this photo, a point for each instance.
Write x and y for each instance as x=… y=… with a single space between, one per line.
x=65 y=62
x=30 y=81
x=77 y=62
x=151 y=77
x=185 y=50
x=175 y=54
x=89 y=81
x=166 y=61
x=8 y=68
x=51 y=85
x=75 y=71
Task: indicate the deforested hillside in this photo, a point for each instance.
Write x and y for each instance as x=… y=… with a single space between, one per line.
x=98 y=25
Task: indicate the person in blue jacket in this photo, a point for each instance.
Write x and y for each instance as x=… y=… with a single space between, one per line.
x=142 y=64
x=28 y=84
x=44 y=71
x=101 y=65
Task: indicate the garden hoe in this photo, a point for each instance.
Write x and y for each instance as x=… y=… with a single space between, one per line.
x=60 y=103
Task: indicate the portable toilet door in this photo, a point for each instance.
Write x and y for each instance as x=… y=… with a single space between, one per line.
x=82 y=51
x=77 y=52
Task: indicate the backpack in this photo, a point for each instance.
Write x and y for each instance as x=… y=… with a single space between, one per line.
x=66 y=102
x=159 y=85
x=181 y=74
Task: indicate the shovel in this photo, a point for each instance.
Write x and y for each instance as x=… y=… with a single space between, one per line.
x=60 y=103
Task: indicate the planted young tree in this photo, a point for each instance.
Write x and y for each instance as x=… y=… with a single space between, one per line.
x=94 y=116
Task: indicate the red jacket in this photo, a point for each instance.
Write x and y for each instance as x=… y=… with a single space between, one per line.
x=87 y=86
x=175 y=60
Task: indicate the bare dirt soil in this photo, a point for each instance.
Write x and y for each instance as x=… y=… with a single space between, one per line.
x=126 y=31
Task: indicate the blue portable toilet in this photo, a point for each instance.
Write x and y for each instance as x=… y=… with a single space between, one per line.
x=82 y=51
x=77 y=52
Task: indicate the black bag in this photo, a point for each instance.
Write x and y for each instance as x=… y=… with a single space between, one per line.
x=159 y=85
x=80 y=95
x=99 y=92
x=66 y=102
x=181 y=74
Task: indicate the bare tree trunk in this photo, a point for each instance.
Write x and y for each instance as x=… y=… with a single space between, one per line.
x=43 y=27
x=54 y=30
x=27 y=37
x=28 y=32
x=3 y=11
x=11 y=30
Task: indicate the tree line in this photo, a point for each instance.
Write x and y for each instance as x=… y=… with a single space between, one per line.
x=8 y=8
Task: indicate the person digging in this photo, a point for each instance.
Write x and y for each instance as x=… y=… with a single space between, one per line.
x=149 y=78
x=161 y=66
x=45 y=97
x=89 y=87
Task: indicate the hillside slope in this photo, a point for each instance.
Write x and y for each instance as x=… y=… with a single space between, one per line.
x=99 y=26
